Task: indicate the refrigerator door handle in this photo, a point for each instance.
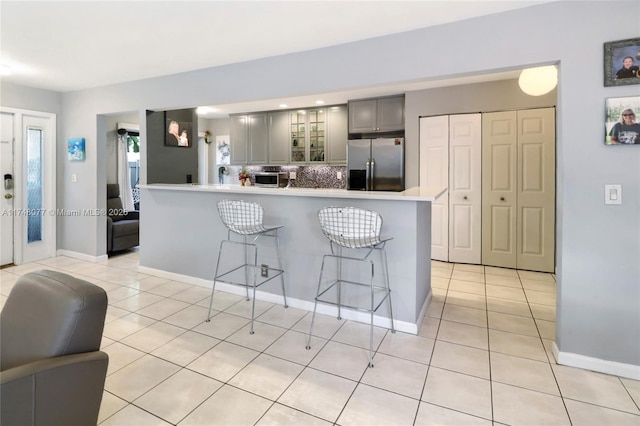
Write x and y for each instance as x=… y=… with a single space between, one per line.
x=367 y=178
x=372 y=175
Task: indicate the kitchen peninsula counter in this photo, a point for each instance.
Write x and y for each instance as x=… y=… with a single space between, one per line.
x=180 y=234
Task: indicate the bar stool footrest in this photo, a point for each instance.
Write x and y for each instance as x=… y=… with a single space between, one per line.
x=238 y=275
x=353 y=292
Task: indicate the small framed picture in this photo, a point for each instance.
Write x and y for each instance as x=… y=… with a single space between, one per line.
x=621 y=121
x=223 y=149
x=75 y=149
x=622 y=62
x=178 y=132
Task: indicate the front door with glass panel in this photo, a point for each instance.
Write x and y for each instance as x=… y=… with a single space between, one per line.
x=28 y=167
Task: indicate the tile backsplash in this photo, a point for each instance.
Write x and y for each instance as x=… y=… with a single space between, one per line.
x=306 y=176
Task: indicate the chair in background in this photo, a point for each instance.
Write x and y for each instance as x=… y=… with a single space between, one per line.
x=353 y=228
x=244 y=218
x=123 y=228
x=51 y=369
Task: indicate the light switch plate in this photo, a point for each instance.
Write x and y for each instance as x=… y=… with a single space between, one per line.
x=292 y=175
x=74 y=177
x=613 y=194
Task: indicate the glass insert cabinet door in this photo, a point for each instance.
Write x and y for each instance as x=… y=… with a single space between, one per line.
x=298 y=136
x=308 y=136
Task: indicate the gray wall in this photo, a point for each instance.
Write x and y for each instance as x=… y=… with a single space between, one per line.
x=598 y=246
x=170 y=164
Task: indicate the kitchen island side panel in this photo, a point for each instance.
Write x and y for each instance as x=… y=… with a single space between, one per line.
x=181 y=233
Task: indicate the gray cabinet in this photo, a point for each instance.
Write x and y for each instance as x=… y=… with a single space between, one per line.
x=249 y=138
x=238 y=139
x=309 y=136
x=337 y=134
x=308 y=129
x=278 y=137
x=258 y=138
x=376 y=115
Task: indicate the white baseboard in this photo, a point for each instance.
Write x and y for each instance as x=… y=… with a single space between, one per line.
x=82 y=256
x=306 y=305
x=595 y=364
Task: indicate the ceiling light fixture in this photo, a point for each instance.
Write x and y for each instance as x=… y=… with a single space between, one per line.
x=283 y=105
x=319 y=102
x=538 y=81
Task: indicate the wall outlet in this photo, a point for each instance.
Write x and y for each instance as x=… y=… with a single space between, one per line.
x=74 y=177
x=264 y=271
x=292 y=175
x=339 y=175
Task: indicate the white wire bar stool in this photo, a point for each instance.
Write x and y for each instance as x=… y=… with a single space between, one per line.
x=353 y=228
x=244 y=218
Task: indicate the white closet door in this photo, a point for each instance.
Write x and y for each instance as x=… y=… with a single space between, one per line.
x=536 y=190
x=465 y=188
x=434 y=171
x=499 y=189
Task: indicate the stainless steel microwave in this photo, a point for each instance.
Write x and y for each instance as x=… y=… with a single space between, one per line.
x=271 y=179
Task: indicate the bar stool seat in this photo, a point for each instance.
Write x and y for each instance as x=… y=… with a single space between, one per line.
x=245 y=218
x=353 y=228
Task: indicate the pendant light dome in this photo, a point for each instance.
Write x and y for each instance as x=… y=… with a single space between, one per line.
x=538 y=81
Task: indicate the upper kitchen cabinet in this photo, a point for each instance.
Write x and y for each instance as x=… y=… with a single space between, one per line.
x=238 y=135
x=278 y=137
x=308 y=136
x=337 y=134
x=249 y=138
x=376 y=115
x=258 y=138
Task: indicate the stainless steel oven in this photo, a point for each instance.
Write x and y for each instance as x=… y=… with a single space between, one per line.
x=271 y=179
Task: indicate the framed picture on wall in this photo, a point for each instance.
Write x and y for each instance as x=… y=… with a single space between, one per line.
x=622 y=62
x=76 y=149
x=621 y=121
x=178 y=132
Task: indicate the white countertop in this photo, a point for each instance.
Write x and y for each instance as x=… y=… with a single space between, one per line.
x=416 y=193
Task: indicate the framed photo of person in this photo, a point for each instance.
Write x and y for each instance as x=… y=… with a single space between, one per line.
x=621 y=121
x=622 y=62
x=178 y=133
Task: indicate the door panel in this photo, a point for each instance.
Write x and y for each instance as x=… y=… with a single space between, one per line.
x=434 y=171
x=465 y=193
x=37 y=188
x=499 y=142
x=501 y=240
x=536 y=190
x=532 y=234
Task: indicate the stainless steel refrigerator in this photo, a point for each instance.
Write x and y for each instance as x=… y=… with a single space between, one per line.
x=375 y=164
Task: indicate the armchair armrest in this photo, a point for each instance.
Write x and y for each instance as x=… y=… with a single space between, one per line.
x=132 y=215
x=65 y=390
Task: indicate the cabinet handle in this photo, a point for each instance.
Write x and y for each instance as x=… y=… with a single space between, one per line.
x=464 y=198
x=501 y=198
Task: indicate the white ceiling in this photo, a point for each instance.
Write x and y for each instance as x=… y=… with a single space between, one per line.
x=74 y=45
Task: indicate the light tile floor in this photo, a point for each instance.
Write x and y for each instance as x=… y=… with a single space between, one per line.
x=482 y=357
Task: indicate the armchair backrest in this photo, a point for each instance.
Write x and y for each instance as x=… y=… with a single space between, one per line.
x=114 y=203
x=50 y=314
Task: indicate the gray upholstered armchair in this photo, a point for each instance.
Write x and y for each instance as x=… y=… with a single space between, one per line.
x=123 y=228
x=51 y=369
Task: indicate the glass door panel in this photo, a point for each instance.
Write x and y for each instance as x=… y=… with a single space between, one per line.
x=298 y=136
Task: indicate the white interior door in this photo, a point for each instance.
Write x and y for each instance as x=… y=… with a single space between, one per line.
x=6 y=201
x=34 y=182
x=465 y=188
x=434 y=171
x=536 y=190
x=499 y=189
